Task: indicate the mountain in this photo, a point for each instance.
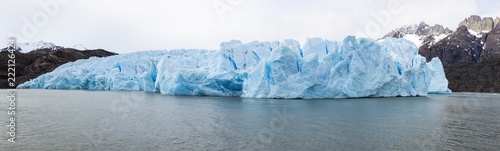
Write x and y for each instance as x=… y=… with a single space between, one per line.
x=420 y=34
x=44 y=58
x=473 y=45
x=460 y=46
x=354 y=67
x=27 y=47
x=79 y=47
x=475 y=40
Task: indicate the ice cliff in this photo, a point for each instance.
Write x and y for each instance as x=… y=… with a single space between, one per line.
x=354 y=67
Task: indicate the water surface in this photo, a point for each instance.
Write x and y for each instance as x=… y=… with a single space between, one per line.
x=107 y=120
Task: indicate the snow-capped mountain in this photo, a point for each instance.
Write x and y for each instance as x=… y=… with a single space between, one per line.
x=28 y=47
x=475 y=40
x=468 y=53
x=421 y=33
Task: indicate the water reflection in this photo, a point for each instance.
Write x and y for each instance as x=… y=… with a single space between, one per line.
x=471 y=122
x=95 y=120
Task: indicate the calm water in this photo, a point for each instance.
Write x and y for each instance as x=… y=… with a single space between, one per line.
x=94 y=120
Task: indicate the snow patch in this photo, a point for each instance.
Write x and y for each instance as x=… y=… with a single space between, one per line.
x=478 y=35
x=439 y=38
x=417 y=40
x=27 y=47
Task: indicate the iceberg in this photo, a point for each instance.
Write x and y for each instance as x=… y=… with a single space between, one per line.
x=354 y=67
x=439 y=83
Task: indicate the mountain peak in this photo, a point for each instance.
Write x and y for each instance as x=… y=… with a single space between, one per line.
x=27 y=47
x=478 y=24
x=79 y=47
x=421 y=29
x=421 y=33
x=32 y=46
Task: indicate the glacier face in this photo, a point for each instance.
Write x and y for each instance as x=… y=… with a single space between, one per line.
x=439 y=83
x=354 y=67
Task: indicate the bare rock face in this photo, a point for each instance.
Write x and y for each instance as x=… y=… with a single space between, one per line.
x=437 y=30
x=478 y=24
x=491 y=45
x=487 y=24
x=497 y=22
x=35 y=63
x=473 y=23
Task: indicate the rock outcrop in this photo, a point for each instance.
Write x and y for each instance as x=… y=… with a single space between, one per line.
x=478 y=24
x=497 y=21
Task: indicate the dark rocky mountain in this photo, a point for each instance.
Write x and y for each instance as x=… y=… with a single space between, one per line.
x=491 y=45
x=475 y=40
x=470 y=54
x=35 y=63
x=460 y=46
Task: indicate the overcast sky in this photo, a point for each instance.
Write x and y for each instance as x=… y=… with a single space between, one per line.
x=134 y=25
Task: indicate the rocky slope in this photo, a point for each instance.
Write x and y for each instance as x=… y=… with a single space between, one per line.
x=475 y=40
x=474 y=77
x=37 y=62
x=491 y=45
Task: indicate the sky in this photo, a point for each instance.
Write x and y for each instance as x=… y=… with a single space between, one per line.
x=134 y=25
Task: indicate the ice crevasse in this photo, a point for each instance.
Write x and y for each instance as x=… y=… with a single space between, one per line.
x=354 y=67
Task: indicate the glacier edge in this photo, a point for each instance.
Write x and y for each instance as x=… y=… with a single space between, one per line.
x=354 y=67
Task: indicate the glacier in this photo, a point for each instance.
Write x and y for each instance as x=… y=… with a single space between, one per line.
x=354 y=67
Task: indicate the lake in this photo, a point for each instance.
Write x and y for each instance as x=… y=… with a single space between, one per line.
x=111 y=120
